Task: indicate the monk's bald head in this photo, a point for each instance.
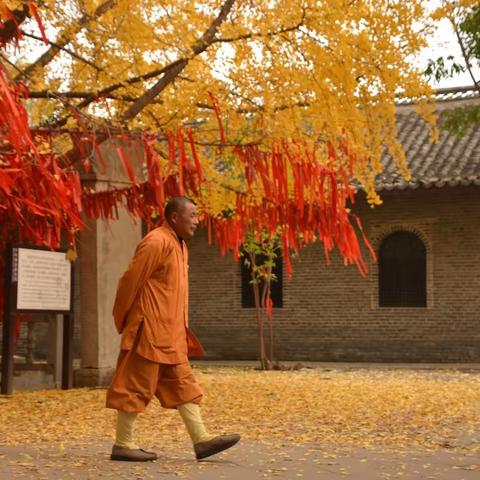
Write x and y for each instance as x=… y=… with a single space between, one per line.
x=176 y=204
x=181 y=215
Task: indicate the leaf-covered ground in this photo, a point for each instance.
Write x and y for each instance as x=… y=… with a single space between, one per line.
x=390 y=410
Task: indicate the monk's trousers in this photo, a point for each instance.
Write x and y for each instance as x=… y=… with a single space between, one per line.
x=138 y=379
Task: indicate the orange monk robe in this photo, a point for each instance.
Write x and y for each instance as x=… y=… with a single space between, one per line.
x=152 y=299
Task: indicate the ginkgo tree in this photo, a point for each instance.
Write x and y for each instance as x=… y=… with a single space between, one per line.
x=270 y=114
x=304 y=77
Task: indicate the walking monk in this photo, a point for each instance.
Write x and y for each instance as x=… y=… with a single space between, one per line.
x=151 y=314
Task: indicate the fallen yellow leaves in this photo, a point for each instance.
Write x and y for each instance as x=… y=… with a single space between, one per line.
x=429 y=409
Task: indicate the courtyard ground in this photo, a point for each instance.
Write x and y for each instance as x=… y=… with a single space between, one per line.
x=318 y=423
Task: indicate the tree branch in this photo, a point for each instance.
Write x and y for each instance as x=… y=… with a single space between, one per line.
x=171 y=73
x=57 y=46
x=4 y=58
x=248 y=36
x=465 y=55
x=176 y=66
x=258 y=108
x=108 y=90
x=63 y=39
x=50 y=94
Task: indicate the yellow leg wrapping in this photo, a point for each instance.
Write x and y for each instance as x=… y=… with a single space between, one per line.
x=124 y=436
x=192 y=418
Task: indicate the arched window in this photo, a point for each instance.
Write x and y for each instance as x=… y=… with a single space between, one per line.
x=402 y=271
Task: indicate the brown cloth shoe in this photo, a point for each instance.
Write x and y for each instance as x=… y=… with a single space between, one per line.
x=132 y=454
x=215 y=445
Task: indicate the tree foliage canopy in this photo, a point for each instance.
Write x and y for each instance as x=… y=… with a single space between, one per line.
x=308 y=70
x=268 y=113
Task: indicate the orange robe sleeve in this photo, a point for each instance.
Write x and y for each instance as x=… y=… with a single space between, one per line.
x=147 y=258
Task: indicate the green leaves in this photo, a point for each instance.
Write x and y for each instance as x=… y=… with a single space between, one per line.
x=466 y=24
x=458 y=120
x=259 y=256
x=469 y=30
x=443 y=67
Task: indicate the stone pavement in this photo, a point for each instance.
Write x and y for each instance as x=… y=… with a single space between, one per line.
x=368 y=406
x=246 y=461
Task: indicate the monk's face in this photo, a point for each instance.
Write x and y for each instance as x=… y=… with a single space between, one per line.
x=185 y=221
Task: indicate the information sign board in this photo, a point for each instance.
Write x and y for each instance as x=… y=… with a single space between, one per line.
x=44 y=280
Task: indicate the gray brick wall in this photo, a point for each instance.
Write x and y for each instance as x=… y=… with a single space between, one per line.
x=331 y=313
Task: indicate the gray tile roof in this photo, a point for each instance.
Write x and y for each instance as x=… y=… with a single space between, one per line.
x=450 y=162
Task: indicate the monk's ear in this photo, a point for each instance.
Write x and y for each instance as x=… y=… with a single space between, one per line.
x=174 y=217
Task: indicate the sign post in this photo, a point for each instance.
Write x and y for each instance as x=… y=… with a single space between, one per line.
x=38 y=281
x=67 y=352
x=8 y=339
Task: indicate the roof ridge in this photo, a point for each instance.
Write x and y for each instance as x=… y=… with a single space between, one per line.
x=444 y=95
